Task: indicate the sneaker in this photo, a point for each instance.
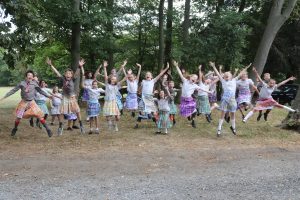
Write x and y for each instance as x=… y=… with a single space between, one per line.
x=60 y=131
x=233 y=130
x=136 y=126
x=266 y=116
x=14 y=131
x=207 y=118
x=218 y=133
x=82 y=130
x=116 y=128
x=158 y=132
x=259 y=116
x=244 y=121
x=90 y=132
x=210 y=118
x=31 y=122
x=75 y=127
x=69 y=129
x=97 y=131
x=49 y=132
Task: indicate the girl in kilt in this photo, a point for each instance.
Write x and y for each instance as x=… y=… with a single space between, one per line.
x=55 y=104
x=27 y=107
x=131 y=103
x=228 y=101
x=93 y=105
x=173 y=108
x=265 y=100
x=110 y=108
x=69 y=102
x=147 y=107
x=187 y=102
x=163 y=102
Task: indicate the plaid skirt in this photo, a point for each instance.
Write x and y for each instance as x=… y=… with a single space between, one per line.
x=147 y=105
x=187 y=106
x=212 y=97
x=228 y=105
x=85 y=95
x=43 y=106
x=28 y=109
x=69 y=105
x=173 y=108
x=203 y=105
x=131 y=102
x=265 y=104
x=164 y=120
x=70 y=116
x=110 y=108
x=93 y=108
x=55 y=110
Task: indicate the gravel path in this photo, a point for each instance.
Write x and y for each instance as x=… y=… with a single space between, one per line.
x=253 y=173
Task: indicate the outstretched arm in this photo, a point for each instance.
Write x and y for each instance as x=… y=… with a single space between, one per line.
x=287 y=80
x=49 y=62
x=179 y=71
x=139 y=72
x=11 y=92
x=105 y=64
x=212 y=64
x=161 y=73
x=257 y=75
x=122 y=67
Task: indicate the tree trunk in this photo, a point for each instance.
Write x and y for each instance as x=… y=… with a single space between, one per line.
x=276 y=19
x=292 y=121
x=185 y=31
x=75 y=41
x=168 y=47
x=242 y=6
x=110 y=32
x=220 y=4
x=161 y=34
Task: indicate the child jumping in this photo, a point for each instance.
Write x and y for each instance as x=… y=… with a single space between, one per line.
x=163 y=103
x=55 y=104
x=69 y=101
x=27 y=107
x=265 y=100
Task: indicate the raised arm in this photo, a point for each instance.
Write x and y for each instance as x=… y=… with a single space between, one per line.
x=97 y=72
x=82 y=77
x=179 y=71
x=200 y=74
x=212 y=64
x=77 y=73
x=236 y=70
x=220 y=69
x=257 y=75
x=287 y=80
x=122 y=67
x=243 y=71
x=139 y=72
x=105 y=64
x=49 y=62
x=161 y=73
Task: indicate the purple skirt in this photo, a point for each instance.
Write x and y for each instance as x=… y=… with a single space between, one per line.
x=212 y=97
x=85 y=95
x=187 y=106
x=131 y=101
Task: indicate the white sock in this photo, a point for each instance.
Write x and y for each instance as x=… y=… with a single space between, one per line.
x=248 y=115
x=289 y=109
x=220 y=124
x=233 y=123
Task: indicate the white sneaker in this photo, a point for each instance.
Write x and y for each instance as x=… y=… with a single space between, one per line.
x=97 y=131
x=116 y=128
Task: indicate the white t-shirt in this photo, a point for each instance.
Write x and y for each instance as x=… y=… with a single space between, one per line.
x=94 y=94
x=132 y=86
x=266 y=91
x=229 y=86
x=244 y=84
x=111 y=92
x=188 y=88
x=203 y=87
x=147 y=86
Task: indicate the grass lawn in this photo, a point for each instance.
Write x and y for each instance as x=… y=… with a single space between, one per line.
x=11 y=101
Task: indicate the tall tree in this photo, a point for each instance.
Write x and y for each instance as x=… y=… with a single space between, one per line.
x=277 y=17
x=75 y=39
x=161 y=34
x=185 y=29
x=169 y=32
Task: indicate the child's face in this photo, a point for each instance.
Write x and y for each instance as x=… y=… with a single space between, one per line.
x=267 y=76
x=272 y=83
x=171 y=85
x=113 y=71
x=95 y=85
x=43 y=84
x=130 y=77
x=207 y=81
x=36 y=79
x=244 y=76
x=29 y=76
x=68 y=75
x=113 y=80
x=55 y=89
x=148 y=76
x=162 y=94
x=193 y=78
x=90 y=75
x=227 y=76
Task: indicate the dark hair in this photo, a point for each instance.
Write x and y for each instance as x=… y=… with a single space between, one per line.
x=87 y=73
x=29 y=72
x=40 y=82
x=94 y=81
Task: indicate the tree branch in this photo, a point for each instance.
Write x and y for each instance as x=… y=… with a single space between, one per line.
x=289 y=8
